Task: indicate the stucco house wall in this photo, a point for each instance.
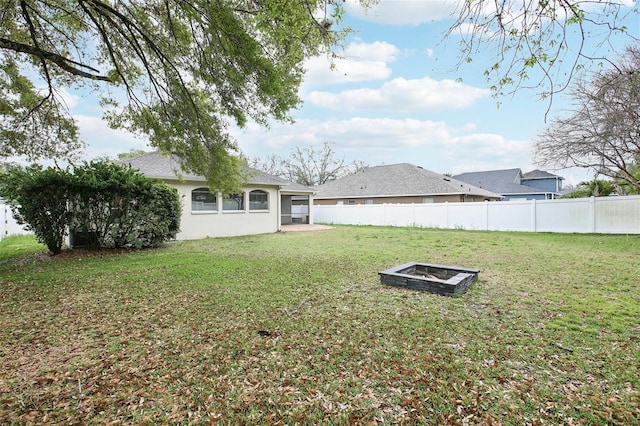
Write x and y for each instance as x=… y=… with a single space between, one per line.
x=200 y=219
x=196 y=224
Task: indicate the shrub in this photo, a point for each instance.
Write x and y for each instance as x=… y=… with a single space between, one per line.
x=103 y=204
x=152 y=218
x=38 y=199
x=116 y=206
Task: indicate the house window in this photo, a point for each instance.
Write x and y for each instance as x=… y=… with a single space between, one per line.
x=339 y=202
x=368 y=201
x=258 y=200
x=203 y=200
x=351 y=202
x=234 y=202
x=427 y=200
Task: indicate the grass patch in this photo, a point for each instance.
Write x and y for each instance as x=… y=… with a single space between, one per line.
x=295 y=327
x=19 y=245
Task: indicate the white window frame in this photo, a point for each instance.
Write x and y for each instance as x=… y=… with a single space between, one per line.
x=205 y=191
x=262 y=208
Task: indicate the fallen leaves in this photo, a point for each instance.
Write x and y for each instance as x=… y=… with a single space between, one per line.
x=143 y=339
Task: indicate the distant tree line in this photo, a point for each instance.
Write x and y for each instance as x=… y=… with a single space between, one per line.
x=310 y=166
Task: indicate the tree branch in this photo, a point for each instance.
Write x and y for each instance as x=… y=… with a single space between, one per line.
x=59 y=60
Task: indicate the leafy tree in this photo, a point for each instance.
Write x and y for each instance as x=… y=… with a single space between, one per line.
x=309 y=166
x=187 y=68
x=542 y=44
x=38 y=199
x=623 y=185
x=603 y=131
x=593 y=188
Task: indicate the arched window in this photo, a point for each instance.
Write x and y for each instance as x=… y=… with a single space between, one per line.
x=203 y=200
x=234 y=202
x=258 y=200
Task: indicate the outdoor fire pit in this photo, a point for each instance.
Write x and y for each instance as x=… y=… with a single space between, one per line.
x=441 y=279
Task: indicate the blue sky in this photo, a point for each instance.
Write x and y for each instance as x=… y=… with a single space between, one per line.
x=394 y=97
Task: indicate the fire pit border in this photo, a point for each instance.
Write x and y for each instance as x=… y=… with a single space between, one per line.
x=455 y=283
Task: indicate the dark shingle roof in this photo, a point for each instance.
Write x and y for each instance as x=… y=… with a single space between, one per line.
x=397 y=180
x=540 y=174
x=156 y=165
x=504 y=181
x=501 y=181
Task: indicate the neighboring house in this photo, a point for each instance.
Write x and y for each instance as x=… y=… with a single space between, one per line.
x=398 y=183
x=262 y=207
x=513 y=185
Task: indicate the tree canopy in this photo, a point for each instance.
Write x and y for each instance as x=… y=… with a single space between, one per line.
x=180 y=71
x=542 y=44
x=186 y=67
x=602 y=133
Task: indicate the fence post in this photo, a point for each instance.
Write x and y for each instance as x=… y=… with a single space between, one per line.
x=534 y=213
x=592 y=214
x=486 y=215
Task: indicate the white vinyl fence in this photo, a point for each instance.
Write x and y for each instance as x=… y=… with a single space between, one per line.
x=603 y=215
x=8 y=225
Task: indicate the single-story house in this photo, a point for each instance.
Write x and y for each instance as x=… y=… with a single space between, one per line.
x=263 y=206
x=398 y=183
x=512 y=184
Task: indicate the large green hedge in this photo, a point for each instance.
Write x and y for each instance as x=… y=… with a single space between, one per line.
x=102 y=204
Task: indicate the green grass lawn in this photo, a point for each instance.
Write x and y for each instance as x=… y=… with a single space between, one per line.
x=296 y=328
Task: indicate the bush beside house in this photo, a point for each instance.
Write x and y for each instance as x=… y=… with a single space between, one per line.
x=103 y=205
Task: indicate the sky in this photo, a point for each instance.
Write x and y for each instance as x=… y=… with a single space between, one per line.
x=394 y=96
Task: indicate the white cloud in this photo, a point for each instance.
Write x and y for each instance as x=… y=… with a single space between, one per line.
x=319 y=71
x=402 y=12
x=400 y=94
x=359 y=62
x=103 y=141
x=376 y=51
x=434 y=145
x=354 y=133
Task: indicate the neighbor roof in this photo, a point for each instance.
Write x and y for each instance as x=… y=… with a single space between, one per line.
x=501 y=181
x=158 y=166
x=505 y=181
x=397 y=180
x=540 y=174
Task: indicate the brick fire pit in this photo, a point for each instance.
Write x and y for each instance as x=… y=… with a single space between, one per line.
x=440 y=279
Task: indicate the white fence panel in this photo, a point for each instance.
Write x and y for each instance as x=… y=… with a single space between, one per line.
x=431 y=215
x=610 y=215
x=8 y=225
x=396 y=215
x=617 y=215
x=509 y=216
x=471 y=216
x=570 y=215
